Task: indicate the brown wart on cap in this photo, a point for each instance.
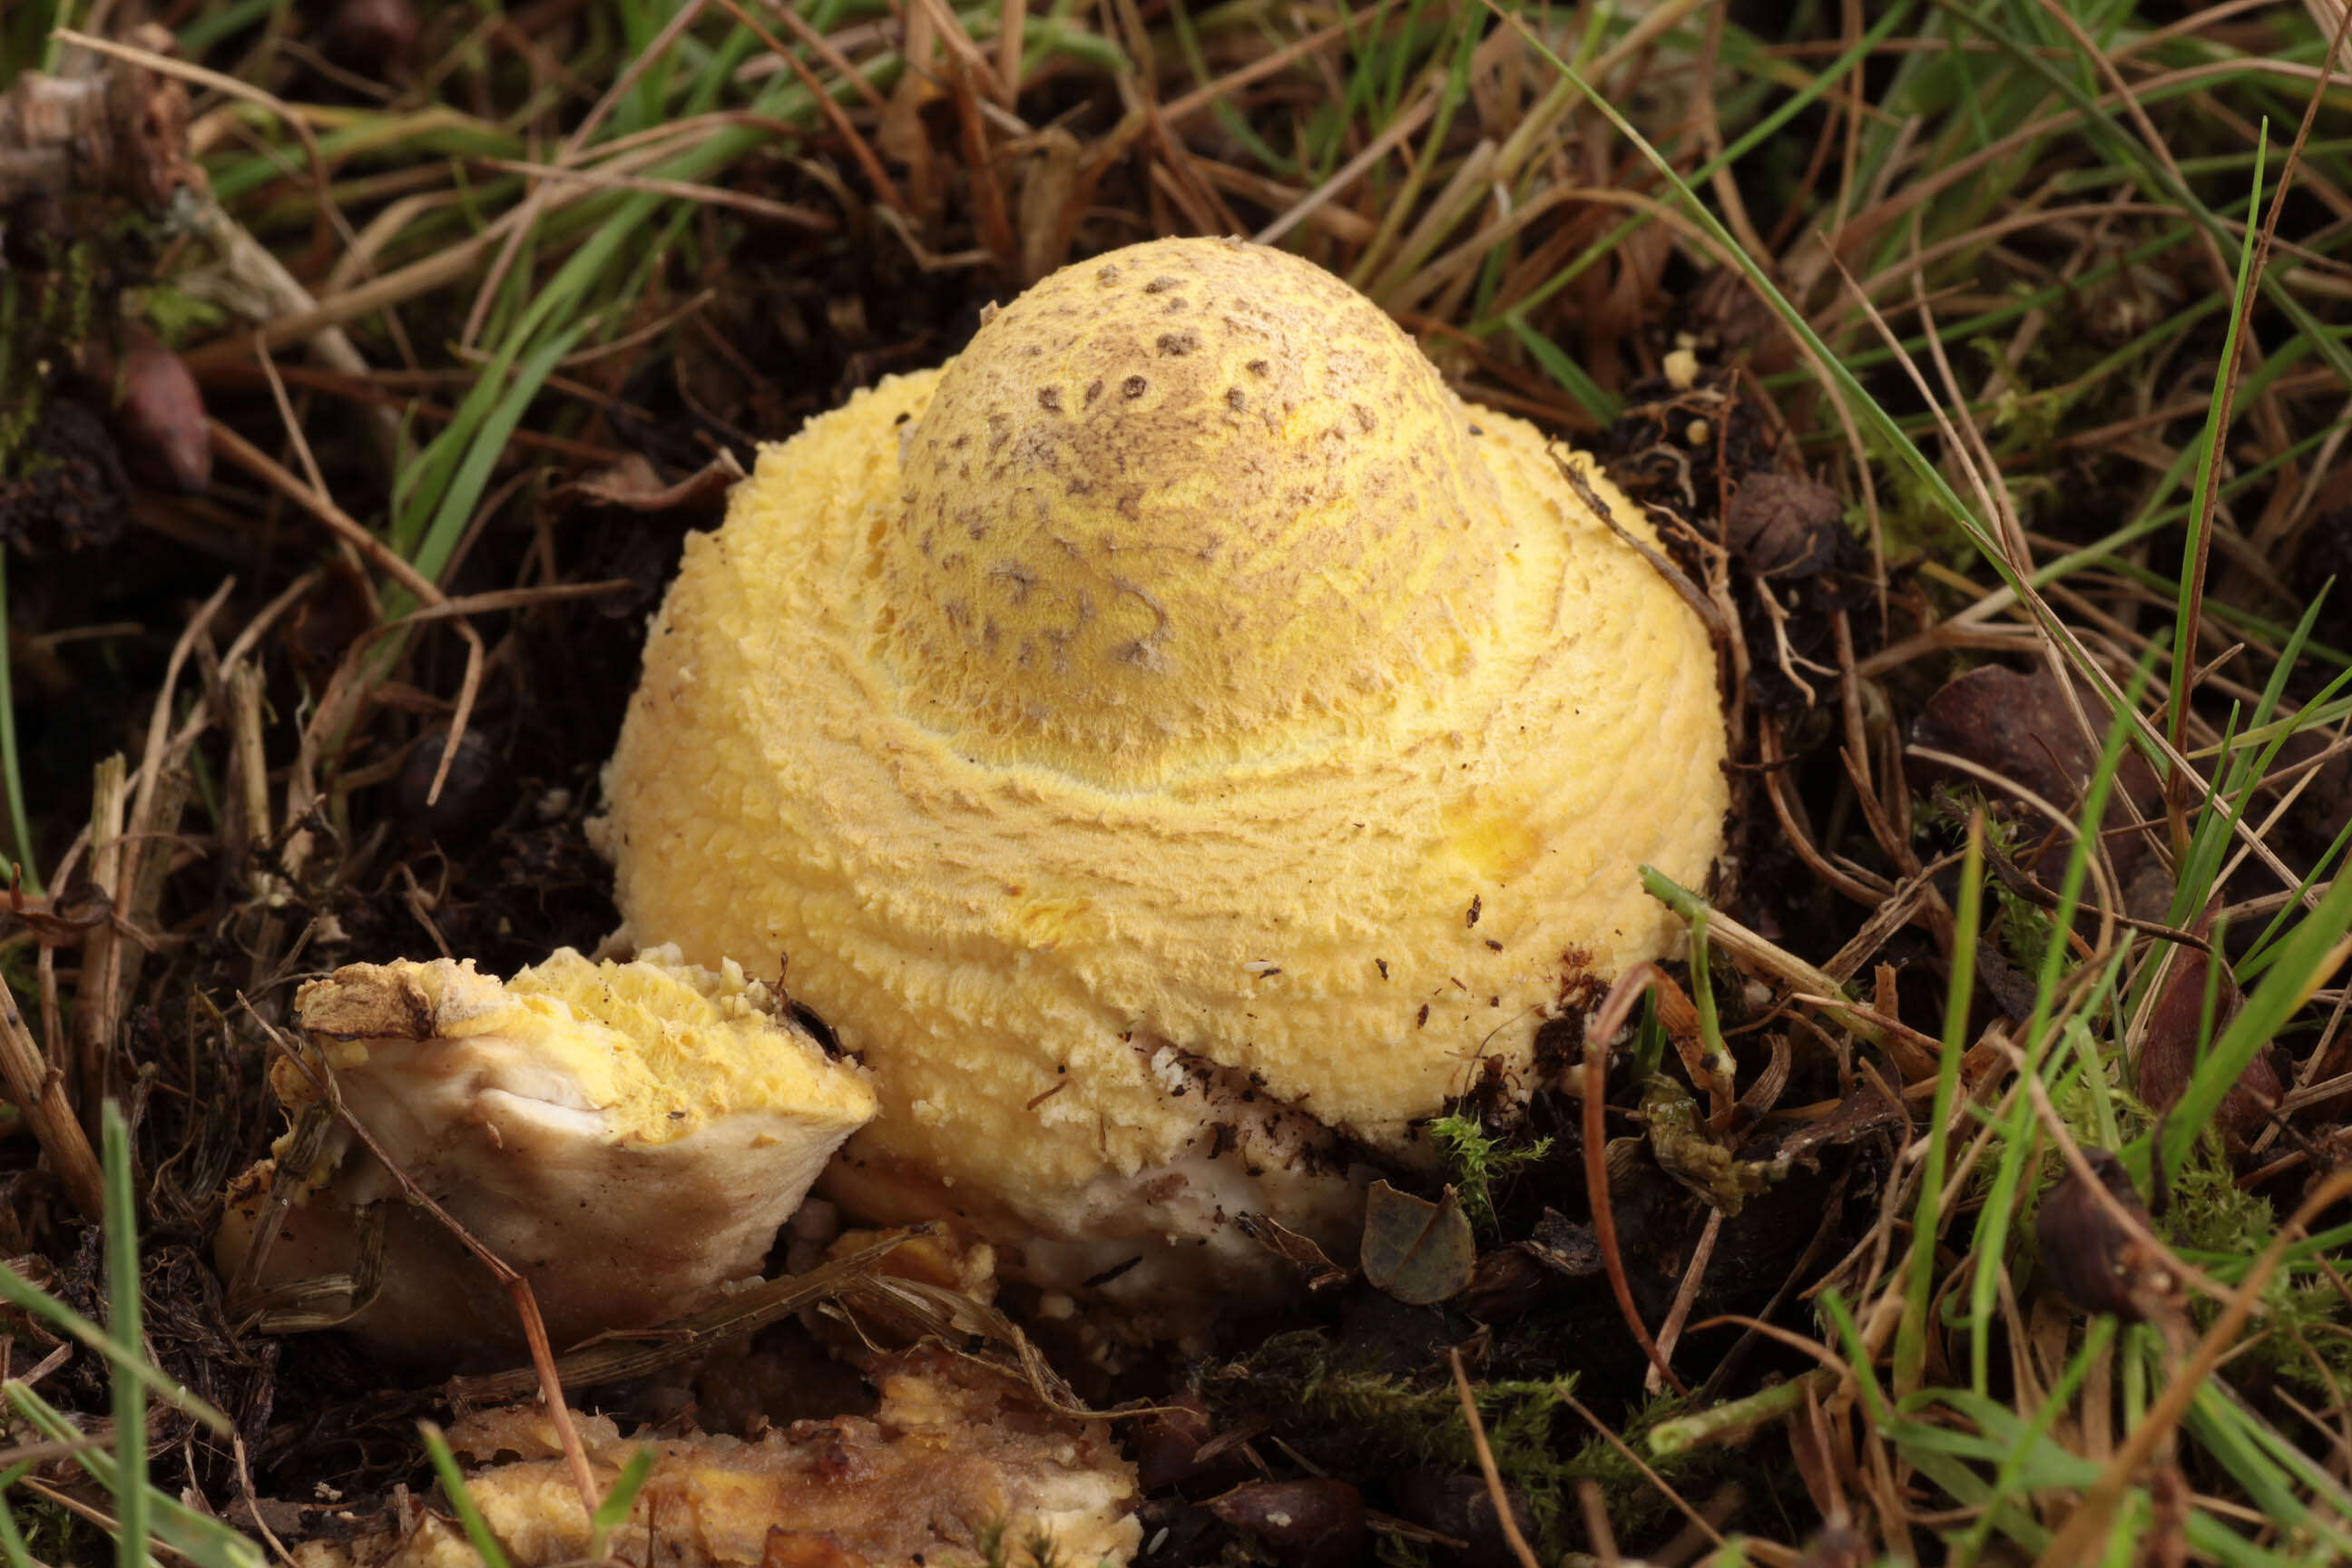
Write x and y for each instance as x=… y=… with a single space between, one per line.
x=1095 y=709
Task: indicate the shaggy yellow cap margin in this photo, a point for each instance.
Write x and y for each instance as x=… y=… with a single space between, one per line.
x=628 y=1136
x=1181 y=705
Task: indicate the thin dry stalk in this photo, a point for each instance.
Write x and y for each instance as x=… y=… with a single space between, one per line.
x=2064 y=639
x=791 y=213
x=1614 y=1011
x=886 y=189
x=621 y=1357
x=1670 y=1332
x=1354 y=169
x=1177 y=111
x=37 y=1090
x=1769 y=1553
x=1495 y=1495
x=529 y=212
x=235 y=447
x=93 y=1004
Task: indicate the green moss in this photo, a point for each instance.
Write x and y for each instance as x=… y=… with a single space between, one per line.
x=2304 y=1335
x=1911 y=517
x=1541 y=1447
x=41 y=327
x=20 y=387
x=52 y=1534
x=1472 y=1161
x=2022 y=927
x=176 y=317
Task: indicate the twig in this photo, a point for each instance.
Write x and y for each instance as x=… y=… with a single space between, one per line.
x=120 y=846
x=1613 y=1012
x=253 y=1501
x=789 y=213
x=1354 y=169
x=38 y=1090
x=886 y=189
x=1495 y=1492
x=624 y=1356
x=1597 y=1528
x=1761 y=1551
x=1671 y=1331
x=1755 y=952
x=254 y=460
x=93 y=1013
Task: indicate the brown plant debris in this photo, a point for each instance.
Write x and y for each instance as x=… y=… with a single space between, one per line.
x=950 y=1455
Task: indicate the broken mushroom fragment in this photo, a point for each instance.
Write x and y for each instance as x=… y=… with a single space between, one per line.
x=628 y=1137
x=950 y=1457
x=1175 y=745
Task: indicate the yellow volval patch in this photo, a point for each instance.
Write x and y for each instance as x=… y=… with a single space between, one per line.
x=1044 y=923
x=1493 y=837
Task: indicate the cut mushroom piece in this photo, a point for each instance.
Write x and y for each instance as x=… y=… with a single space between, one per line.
x=951 y=1456
x=1184 y=674
x=628 y=1137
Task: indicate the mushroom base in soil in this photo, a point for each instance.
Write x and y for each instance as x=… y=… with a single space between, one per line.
x=1176 y=747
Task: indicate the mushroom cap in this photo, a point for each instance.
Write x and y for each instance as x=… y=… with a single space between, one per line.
x=627 y=1136
x=1144 y=784
x=1183 y=507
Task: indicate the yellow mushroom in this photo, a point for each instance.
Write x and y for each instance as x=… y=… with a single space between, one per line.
x=628 y=1137
x=1175 y=745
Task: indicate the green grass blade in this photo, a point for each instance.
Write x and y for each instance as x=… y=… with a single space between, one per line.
x=2125 y=148
x=2026 y=1464
x=1755 y=137
x=453 y=1481
x=2264 y=952
x=122 y=1285
x=1601 y=405
x=1858 y=1357
x=199 y=1537
x=614 y=1511
x=2304 y=961
x=11 y=758
x=2002 y=1204
x=2209 y=449
x=21 y=1293
x=489 y=445
x=14 y=1552
x=1875 y=419
x=1926 y=1223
